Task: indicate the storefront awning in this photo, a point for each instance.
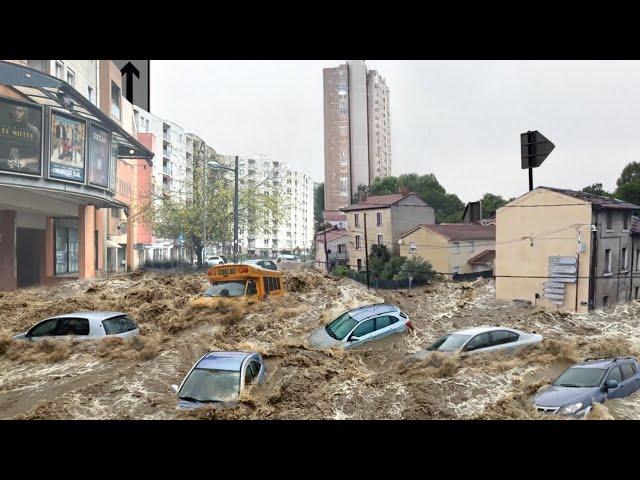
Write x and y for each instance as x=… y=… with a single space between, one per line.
x=50 y=91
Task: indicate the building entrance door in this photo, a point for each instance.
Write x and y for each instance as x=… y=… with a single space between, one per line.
x=29 y=255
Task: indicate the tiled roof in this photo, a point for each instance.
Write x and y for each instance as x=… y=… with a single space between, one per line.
x=331 y=235
x=598 y=200
x=331 y=216
x=377 y=201
x=486 y=256
x=462 y=231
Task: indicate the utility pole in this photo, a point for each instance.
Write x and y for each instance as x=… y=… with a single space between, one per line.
x=326 y=253
x=366 y=248
x=204 y=202
x=235 y=216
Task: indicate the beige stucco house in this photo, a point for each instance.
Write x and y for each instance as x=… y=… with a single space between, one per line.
x=387 y=217
x=549 y=235
x=452 y=248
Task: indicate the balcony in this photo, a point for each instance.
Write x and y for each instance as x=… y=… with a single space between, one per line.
x=166 y=136
x=166 y=153
x=166 y=170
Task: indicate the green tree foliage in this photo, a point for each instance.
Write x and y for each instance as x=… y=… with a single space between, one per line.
x=378 y=258
x=341 y=271
x=448 y=207
x=596 y=189
x=318 y=204
x=418 y=268
x=629 y=184
x=209 y=210
x=392 y=267
x=491 y=203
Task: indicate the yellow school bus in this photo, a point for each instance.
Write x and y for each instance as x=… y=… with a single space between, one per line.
x=241 y=281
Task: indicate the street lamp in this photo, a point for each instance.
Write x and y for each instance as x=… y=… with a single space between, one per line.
x=217 y=165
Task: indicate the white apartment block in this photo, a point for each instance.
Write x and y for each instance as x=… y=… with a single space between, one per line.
x=80 y=74
x=295 y=232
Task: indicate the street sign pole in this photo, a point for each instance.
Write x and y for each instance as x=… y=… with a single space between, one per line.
x=534 y=148
x=530 y=152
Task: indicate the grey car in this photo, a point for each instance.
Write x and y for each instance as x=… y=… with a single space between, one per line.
x=361 y=325
x=268 y=264
x=84 y=326
x=481 y=339
x=218 y=378
x=593 y=380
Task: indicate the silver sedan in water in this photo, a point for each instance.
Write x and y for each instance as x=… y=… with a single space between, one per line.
x=482 y=339
x=361 y=325
x=83 y=325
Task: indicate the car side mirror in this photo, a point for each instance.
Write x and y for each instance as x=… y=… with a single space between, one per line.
x=174 y=388
x=353 y=338
x=610 y=385
x=470 y=348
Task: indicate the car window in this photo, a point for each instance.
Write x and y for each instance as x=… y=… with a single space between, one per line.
x=627 y=371
x=479 y=341
x=121 y=324
x=383 y=322
x=500 y=337
x=252 y=372
x=73 y=326
x=615 y=374
x=364 y=328
x=43 y=329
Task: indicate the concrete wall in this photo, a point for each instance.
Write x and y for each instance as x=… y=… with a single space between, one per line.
x=409 y=212
x=555 y=231
x=358 y=125
x=438 y=255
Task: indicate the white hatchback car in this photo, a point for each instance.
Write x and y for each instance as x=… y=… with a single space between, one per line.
x=481 y=339
x=83 y=325
x=215 y=260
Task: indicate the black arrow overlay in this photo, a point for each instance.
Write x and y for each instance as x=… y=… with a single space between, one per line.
x=130 y=70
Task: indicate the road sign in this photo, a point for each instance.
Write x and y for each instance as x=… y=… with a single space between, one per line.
x=562 y=260
x=563 y=279
x=565 y=269
x=555 y=296
x=534 y=149
x=554 y=290
x=135 y=81
x=553 y=285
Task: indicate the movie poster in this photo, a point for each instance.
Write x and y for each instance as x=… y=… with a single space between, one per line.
x=99 y=153
x=20 y=137
x=67 y=159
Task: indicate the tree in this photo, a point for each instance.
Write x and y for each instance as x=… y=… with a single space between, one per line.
x=378 y=257
x=318 y=204
x=596 y=189
x=418 y=268
x=392 y=267
x=629 y=184
x=491 y=203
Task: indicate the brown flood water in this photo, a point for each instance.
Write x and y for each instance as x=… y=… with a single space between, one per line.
x=116 y=379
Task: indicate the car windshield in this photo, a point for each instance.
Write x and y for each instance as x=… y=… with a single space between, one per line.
x=580 y=377
x=206 y=385
x=449 y=343
x=225 y=289
x=341 y=326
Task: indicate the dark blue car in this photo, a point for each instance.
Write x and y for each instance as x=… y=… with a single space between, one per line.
x=594 y=380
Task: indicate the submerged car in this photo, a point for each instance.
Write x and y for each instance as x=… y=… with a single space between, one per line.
x=219 y=377
x=481 y=339
x=268 y=264
x=361 y=325
x=83 y=325
x=594 y=380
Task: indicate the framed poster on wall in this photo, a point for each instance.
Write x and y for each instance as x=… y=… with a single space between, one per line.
x=20 y=137
x=67 y=153
x=99 y=155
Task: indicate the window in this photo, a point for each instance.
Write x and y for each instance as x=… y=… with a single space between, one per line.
x=605 y=301
x=356 y=219
x=379 y=218
x=43 y=329
x=615 y=374
x=59 y=69
x=358 y=246
x=479 y=341
x=413 y=248
x=607 y=261
x=637 y=259
x=501 y=337
x=637 y=292
x=384 y=322
x=365 y=328
x=625 y=260
x=472 y=246
x=456 y=247
x=91 y=95
x=251 y=288
x=341 y=248
x=251 y=373
x=380 y=240
x=628 y=371
x=455 y=270
x=73 y=326
x=115 y=100
x=71 y=78
x=609 y=220
x=625 y=221
x=359 y=262
x=122 y=324
x=66 y=246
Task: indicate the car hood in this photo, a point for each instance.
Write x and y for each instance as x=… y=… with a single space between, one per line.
x=321 y=339
x=560 y=396
x=190 y=405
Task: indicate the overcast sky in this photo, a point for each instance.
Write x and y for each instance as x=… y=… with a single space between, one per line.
x=460 y=120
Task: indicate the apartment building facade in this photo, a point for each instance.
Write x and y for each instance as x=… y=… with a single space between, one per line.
x=569 y=250
x=386 y=218
x=452 y=248
x=357 y=131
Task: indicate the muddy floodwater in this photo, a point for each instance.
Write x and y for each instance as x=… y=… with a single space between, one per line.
x=117 y=379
